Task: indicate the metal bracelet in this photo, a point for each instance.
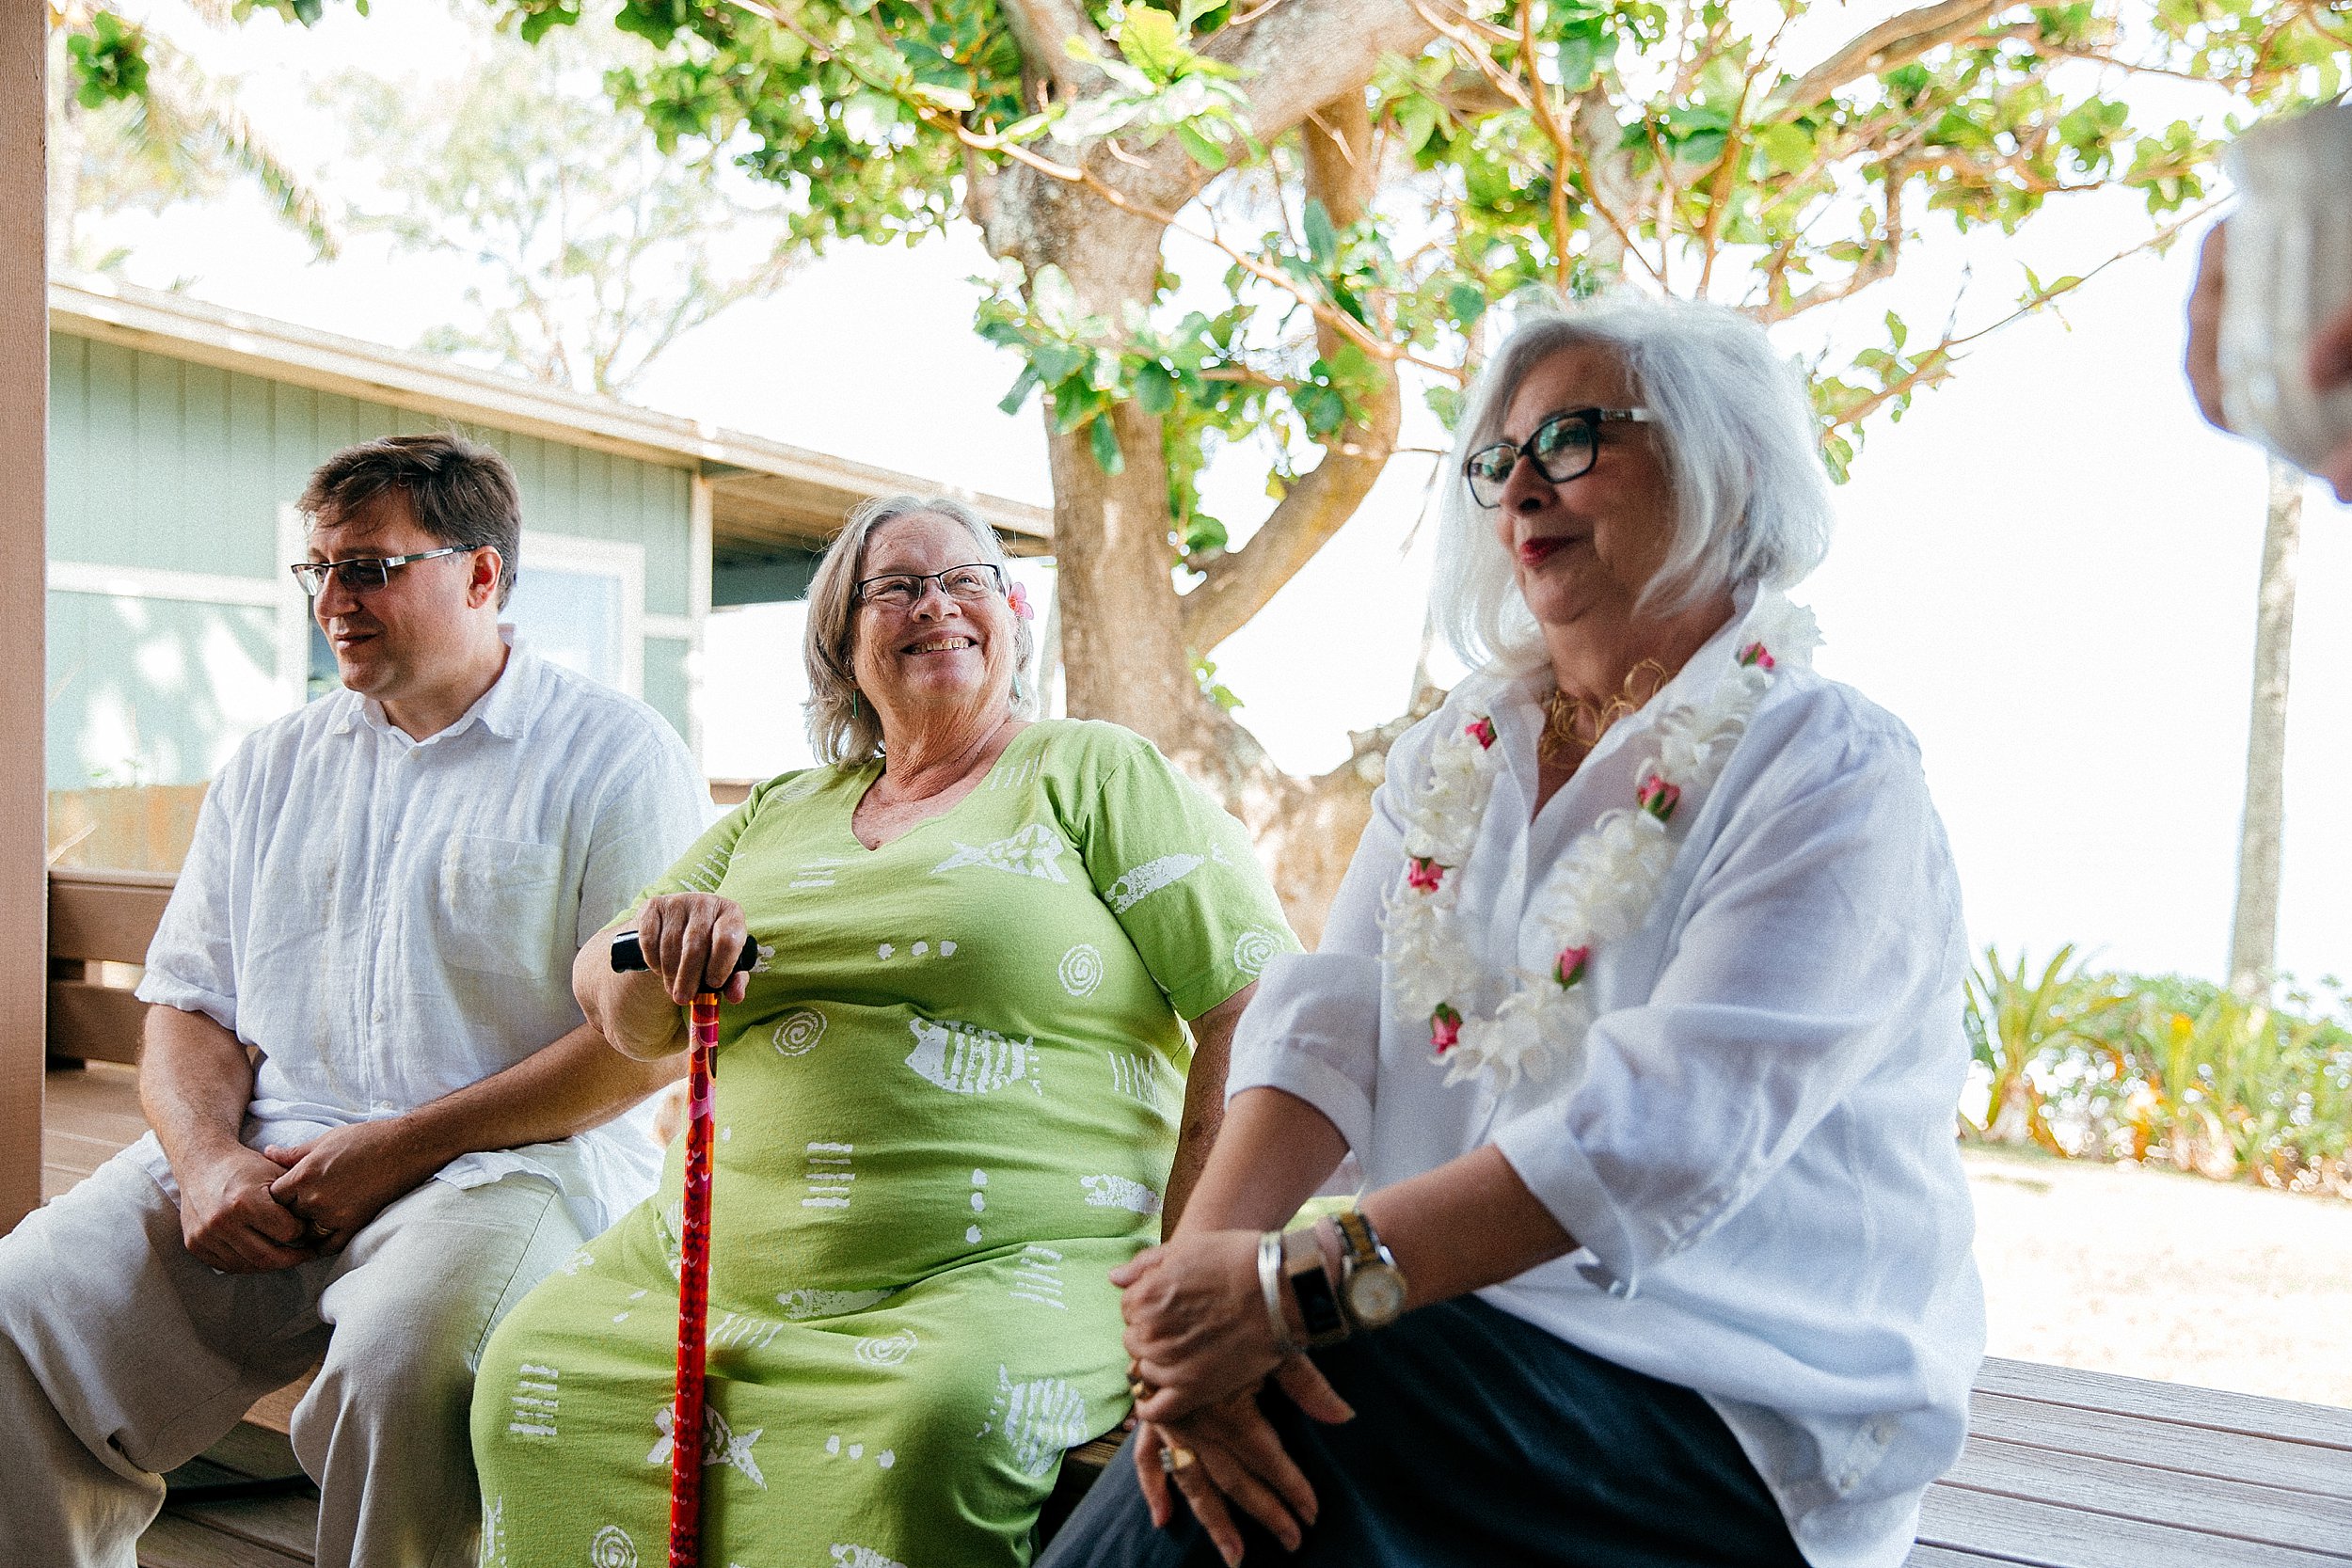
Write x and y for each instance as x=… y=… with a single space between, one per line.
x=1270 y=1286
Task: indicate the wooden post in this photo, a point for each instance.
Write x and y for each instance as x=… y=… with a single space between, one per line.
x=23 y=551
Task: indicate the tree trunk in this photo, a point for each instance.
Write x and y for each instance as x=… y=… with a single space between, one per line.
x=2254 y=927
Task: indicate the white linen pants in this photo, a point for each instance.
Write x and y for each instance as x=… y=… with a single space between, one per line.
x=123 y=1356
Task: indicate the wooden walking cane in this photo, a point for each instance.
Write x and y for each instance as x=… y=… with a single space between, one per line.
x=693 y=1283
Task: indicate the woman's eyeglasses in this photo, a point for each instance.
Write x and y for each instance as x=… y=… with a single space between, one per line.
x=899 y=590
x=1563 y=448
x=361 y=573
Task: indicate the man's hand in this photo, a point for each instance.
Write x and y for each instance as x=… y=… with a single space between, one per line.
x=2331 y=368
x=2204 y=359
x=346 y=1177
x=230 y=1222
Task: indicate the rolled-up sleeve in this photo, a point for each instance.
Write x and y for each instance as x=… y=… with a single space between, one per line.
x=1808 y=943
x=191 y=961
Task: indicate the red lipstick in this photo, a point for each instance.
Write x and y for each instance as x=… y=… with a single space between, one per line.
x=1535 y=551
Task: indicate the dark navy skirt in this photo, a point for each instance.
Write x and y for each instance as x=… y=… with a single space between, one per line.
x=1478 y=1439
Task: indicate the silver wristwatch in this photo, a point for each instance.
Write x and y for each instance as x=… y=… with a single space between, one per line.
x=1372 y=1287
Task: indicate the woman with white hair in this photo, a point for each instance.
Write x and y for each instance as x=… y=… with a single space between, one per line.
x=1640 y=1009
x=947 y=1105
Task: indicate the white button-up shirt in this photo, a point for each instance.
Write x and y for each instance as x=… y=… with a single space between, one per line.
x=388 y=920
x=1755 y=1149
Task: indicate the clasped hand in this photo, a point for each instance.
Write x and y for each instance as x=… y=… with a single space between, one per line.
x=243 y=1212
x=1201 y=1342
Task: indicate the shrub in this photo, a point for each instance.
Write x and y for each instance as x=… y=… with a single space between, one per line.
x=2168 y=1068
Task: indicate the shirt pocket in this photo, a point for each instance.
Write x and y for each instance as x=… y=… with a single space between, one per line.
x=496 y=898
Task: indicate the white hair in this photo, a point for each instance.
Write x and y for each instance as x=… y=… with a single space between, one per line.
x=1734 y=430
x=842 y=728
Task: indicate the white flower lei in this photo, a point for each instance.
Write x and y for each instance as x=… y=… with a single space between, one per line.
x=1598 y=890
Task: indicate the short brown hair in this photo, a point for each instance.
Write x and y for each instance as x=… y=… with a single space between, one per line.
x=459 y=492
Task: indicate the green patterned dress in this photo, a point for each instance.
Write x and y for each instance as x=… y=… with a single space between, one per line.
x=945 y=1110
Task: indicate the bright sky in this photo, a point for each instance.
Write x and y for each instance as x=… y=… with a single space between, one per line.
x=2047 y=570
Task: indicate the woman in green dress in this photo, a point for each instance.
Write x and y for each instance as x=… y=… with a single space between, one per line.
x=954 y=1095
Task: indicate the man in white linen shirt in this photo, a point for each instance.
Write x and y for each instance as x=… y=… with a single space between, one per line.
x=378 y=1116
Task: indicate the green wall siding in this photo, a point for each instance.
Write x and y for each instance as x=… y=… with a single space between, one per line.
x=153 y=691
x=665 y=679
x=157 y=463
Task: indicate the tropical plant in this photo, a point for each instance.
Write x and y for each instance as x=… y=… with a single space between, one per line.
x=2165 y=1067
x=2021 y=1028
x=135 y=123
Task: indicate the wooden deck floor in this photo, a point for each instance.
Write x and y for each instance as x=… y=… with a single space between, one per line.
x=2063 y=1468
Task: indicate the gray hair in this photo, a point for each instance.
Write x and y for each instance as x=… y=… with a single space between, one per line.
x=1735 y=432
x=843 y=729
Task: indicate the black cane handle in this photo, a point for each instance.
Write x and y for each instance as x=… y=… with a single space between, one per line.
x=629 y=955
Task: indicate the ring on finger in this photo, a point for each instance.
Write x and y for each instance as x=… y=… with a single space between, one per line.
x=1140 y=1390
x=1174 y=1458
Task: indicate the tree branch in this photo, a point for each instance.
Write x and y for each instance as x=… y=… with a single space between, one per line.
x=1891 y=45
x=1043 y=29
x=1340 y=174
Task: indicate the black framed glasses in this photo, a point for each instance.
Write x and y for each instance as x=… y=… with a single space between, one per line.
x=361 y=573
x=1563 y=448
x=899 y=590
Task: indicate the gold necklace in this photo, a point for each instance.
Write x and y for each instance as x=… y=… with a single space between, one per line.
x=1574 y=724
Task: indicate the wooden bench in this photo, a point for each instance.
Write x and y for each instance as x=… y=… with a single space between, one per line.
x=99 y=919
x=2074 y=1470
x=2063 y=1468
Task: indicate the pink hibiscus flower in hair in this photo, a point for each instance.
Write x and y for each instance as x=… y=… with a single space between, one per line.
x=1018 y=596
x=1445 y=1028
x=1423 y=874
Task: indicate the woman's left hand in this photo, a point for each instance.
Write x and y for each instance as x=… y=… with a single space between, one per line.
x=1197 y=1329
x=1197 y=1323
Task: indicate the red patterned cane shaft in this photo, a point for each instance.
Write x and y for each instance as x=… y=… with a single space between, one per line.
x=693 y=1295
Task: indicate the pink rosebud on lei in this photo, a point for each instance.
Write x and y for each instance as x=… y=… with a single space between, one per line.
x=1571 y=966
x=1757 y=655
x=1423 y=874
x=1019 y=598
x=1658 y=798
x=1481 y=729
x=1445 y=1028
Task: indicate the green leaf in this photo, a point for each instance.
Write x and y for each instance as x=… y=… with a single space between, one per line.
x=1204 y=533
x=1576 y=59
x=1011 y=402
x=1155 y=389
x=1322 y=242
x=1055 y=363
x=1202 y=148
x=537 y=24
x=1321 y=407
x=1148 y=40
x=1465 y=302
x=1191 y=11
x=1788 y=147
x=1416 y=118
x=1105 y=443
